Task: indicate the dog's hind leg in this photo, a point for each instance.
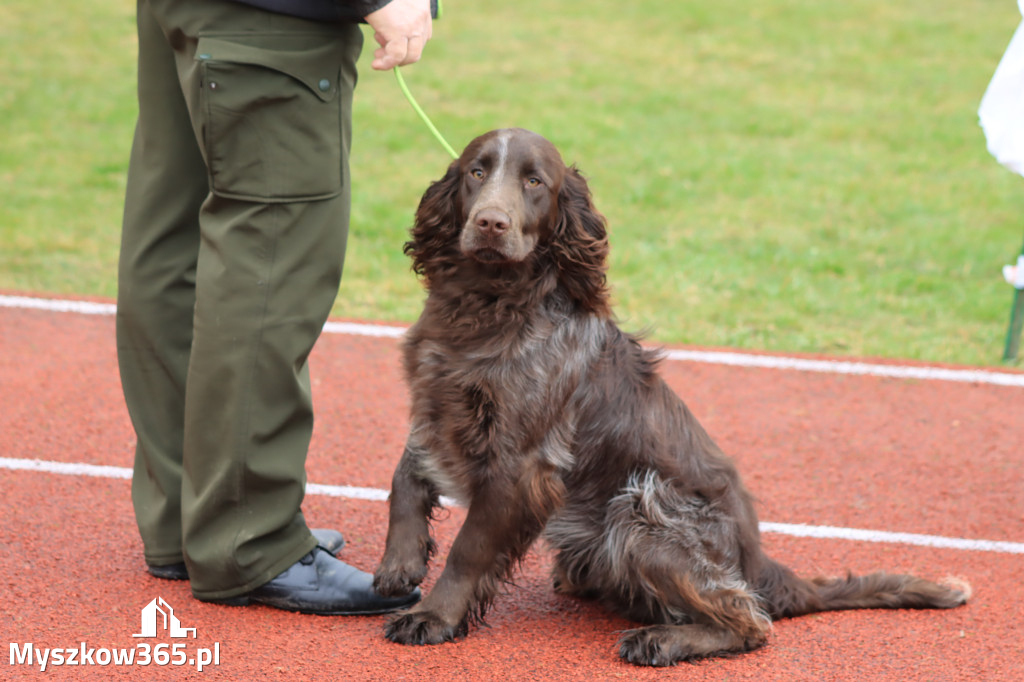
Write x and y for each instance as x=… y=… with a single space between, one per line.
x=664 y=645
x=691 y=622
x=669 y=557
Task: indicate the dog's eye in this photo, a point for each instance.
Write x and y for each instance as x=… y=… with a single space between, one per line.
x=534 y=182
x=477 y=173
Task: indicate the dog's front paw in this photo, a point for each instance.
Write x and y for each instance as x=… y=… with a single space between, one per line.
x=423 y=627
x=392 y=580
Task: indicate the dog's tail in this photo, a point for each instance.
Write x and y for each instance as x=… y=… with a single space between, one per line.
x=785 y=594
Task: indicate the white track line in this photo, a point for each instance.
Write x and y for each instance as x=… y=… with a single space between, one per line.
x=707 y=357
x=804 y=531
x=354 y=329
x=970 y=376
x=378 y=495
x=58 y=306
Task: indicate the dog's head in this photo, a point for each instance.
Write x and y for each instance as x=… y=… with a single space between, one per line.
x=509 y=193
x=509 y=202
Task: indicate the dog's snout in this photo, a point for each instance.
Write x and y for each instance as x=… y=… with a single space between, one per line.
x=492 y=221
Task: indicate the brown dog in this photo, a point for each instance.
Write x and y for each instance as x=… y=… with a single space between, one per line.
x=532 y=408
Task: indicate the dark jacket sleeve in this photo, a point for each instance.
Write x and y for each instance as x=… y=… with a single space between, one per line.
x=320 y=10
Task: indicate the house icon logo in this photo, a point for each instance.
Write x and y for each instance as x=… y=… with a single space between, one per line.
x=158 y=614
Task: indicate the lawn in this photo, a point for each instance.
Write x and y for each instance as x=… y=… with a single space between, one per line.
x=789 y=175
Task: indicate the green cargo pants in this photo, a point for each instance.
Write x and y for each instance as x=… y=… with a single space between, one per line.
x=234 y=232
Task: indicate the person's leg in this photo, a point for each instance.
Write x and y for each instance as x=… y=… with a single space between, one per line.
x=269 y=98
x=261 y=305
x=167 y=183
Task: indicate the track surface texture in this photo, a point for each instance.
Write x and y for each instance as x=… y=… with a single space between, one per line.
x=918 y=456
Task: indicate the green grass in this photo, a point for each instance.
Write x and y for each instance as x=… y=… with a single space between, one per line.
x=791 y=175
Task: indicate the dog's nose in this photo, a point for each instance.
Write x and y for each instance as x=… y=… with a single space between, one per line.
x=491 y=221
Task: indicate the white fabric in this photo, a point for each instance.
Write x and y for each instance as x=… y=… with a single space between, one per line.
x=1014 y=274
x=1001 y=112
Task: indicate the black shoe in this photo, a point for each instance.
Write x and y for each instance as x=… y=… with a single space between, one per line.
x=330 y=540
x=169 y=572
x=320 y=584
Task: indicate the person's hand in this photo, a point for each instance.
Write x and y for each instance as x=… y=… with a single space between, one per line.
x=401 y=28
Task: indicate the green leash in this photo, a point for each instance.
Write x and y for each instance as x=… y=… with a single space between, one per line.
x=437 y=11
x=426 y=119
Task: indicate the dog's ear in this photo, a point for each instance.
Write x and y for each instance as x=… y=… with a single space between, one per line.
x=438 y=222
x=580 y=245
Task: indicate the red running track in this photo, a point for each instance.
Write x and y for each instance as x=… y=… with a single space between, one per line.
x=915 y=456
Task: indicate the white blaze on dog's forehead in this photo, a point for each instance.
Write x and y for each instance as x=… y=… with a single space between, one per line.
x=495 y=181
x=499 y=171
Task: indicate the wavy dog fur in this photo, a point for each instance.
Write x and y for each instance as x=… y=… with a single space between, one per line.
x=535 y=410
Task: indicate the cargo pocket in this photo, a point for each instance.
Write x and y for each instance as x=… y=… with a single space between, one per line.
x=271 y=115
